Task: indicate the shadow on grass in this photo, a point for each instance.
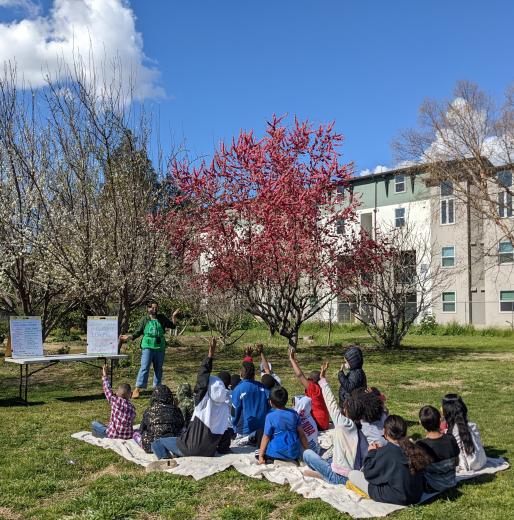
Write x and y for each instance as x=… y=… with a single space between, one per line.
x=80 y=398
x=495 y=452
x=9 y=402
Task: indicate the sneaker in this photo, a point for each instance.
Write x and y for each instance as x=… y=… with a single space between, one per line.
x=161 y=465
x=135 y=393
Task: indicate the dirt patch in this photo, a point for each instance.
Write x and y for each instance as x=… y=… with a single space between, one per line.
x=490 y=356
x=431 y=384
x=9 y=514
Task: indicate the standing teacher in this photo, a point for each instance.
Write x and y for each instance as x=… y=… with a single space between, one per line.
x=153 y=345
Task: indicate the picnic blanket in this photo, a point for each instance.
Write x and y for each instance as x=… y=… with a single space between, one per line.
x=243 y=460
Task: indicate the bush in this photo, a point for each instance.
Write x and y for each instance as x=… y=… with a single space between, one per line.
x=427 y=327
x=60 y=335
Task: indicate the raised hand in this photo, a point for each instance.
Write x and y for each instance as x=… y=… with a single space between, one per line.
x=104 y=371
x=212 y=347
x=323 y=371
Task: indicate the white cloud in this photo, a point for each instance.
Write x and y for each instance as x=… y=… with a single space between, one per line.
x=377 y=169
x=27 y=6
x=102 y=29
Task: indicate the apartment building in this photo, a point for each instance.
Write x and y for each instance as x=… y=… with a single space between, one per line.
x=475 y=281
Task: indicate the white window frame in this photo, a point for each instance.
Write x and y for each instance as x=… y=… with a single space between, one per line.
x=443 y=257
x=447 y=201
x=505 y=206
x=396 y=183
x=396 y=218
x=454 y=303
x=500 y=303
x=500 y=253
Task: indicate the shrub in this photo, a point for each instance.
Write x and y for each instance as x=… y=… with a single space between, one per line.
x=60 y=335
x=427 y=327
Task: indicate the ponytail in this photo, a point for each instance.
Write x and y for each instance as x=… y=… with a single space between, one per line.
x=456 y=414
x=395 y=428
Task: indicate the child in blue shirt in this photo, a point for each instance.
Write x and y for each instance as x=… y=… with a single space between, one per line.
x=283 y=437
x=250 y=402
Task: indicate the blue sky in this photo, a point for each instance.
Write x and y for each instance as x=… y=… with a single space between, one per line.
x=226 y=65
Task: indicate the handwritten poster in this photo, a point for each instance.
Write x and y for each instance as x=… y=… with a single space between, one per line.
x=102 y=335
x=26 y=336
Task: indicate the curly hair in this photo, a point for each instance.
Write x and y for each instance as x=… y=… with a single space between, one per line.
x=395 y=428
x=372 y=407
x=456 y=414
x=352 y=408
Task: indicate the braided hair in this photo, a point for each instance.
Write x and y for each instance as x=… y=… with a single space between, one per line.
x=456 y=414
x=395 y=428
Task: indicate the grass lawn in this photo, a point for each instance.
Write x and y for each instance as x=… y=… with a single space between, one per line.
x=45 y=474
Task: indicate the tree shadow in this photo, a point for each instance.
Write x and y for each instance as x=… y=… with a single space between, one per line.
x=16 y=402
x=81 y=398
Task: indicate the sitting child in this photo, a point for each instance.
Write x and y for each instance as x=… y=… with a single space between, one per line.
x=208 y=432
x=123 y=412
x=162 y=418
x=356 y=378
x=302 y=406
x=443 y=450
x=250 y=401
x=346 y=439
x=472 y=455
x=312 y=390
x=283 y=437
x=186 y=401
x=372 y=415
x=392 y=473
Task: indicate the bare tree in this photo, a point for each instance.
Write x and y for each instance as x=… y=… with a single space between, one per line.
x=78 y=196
x=469 y=141
x=404 y=287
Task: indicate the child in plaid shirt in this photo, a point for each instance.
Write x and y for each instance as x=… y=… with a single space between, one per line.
x=123 y=412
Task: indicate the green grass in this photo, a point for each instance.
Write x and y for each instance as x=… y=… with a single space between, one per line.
x=45 y=474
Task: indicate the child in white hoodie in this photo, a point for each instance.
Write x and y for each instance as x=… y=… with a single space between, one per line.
x=346 y=439
x=472 y=454
x=303 y=407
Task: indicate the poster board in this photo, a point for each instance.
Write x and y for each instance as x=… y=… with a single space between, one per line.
x=102 y=335
x=26 y=336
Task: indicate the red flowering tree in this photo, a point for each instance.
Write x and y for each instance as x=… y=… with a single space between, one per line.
x=261 y=222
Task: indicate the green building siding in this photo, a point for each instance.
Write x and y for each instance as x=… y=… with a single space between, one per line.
x=415 y=189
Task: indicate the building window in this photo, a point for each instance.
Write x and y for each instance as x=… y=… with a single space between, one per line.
x=446 y=188
x=447 y=203
x=506 y=301
x=340 y=226
x=449 y=303
x=504 y=204
x=448 y=256
x=399 y=217
x=399 y=184
x=505 y=252
x=344 y=312
x=447 y=211
x=505 y=195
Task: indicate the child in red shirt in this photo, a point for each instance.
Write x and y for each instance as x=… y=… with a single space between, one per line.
x=313 y=390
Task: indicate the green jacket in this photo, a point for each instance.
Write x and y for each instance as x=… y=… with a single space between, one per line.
x=165 y=323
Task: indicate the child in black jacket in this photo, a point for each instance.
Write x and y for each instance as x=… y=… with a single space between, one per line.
x=392 y=473
x=356 y=378
x=162 y=418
